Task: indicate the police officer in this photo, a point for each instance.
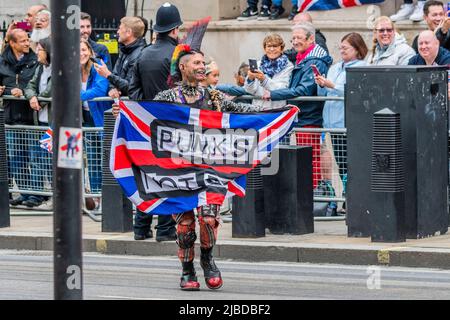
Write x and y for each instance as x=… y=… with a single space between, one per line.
x=150 y=76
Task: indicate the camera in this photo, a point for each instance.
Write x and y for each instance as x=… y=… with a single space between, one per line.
x=24 y=25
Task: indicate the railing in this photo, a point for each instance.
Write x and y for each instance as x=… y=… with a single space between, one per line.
x=32 y=165
x=329 y=161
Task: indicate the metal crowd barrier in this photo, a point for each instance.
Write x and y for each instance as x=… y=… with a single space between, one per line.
x=33 y=165
x=329 y=162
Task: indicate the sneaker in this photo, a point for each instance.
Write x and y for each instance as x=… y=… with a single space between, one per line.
x=31 y=203
x=147 y=235
x=19 y=200
x=406 y=10
x=293 y=13
x=264 y=14
x=46 y=205
x=276 y=13
x=249 y=13
x=417 y=15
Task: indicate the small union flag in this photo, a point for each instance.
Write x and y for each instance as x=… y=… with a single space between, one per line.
x=46 y=141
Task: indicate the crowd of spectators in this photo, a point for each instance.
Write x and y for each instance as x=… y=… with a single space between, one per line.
x=141 y=71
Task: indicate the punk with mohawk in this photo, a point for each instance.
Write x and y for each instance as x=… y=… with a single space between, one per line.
x=187 y=72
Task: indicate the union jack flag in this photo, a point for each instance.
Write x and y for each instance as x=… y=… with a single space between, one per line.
x=170 y=158
x=46 y=141
x=305 y=5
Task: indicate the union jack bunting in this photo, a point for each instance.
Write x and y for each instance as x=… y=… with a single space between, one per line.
x=305 y=5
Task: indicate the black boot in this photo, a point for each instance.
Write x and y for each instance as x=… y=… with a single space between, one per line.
x=188 y=278
x=212 y=275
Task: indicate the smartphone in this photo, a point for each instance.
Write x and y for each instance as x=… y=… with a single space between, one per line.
x=448 y=9
x=95 y=60
x=253 y=65
x=315 y=70
x=24 y=25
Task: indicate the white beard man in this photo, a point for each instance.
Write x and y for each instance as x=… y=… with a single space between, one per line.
x=39 y=34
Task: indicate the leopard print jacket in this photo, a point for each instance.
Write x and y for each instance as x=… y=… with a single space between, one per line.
x=214 y=100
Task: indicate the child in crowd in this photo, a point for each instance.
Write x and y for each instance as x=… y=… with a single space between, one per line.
x=212 y=74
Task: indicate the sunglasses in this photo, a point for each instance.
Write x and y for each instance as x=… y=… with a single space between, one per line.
x=390 y=30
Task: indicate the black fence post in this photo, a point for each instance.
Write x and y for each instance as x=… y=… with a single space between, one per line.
x=4 y=193
x=67 y=165
x=117 y=210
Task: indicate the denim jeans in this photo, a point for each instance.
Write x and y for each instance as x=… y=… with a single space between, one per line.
x=279 y=3
x=22 y=157
x=18 y=158
x=41 y=168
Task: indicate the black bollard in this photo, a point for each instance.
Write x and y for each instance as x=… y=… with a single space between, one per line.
x=289 y=193
x=248 y=212
x=419 y=95
x=116 y=208
x=4 y=193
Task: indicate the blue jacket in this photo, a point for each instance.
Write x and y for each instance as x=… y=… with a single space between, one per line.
x=442 y=58
x=334 y=111
x=97 y=86
x=303 y=84
x=231 y=89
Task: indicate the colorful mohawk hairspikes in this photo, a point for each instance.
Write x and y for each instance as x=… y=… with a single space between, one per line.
x=191 y=41
x=179 y=49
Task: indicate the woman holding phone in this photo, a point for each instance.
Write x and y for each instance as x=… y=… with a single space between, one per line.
x=274 y=72
x=92 y=86
x=353 y=51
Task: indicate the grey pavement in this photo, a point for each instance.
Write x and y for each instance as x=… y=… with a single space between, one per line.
x=328 y=244
x=29 y=275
